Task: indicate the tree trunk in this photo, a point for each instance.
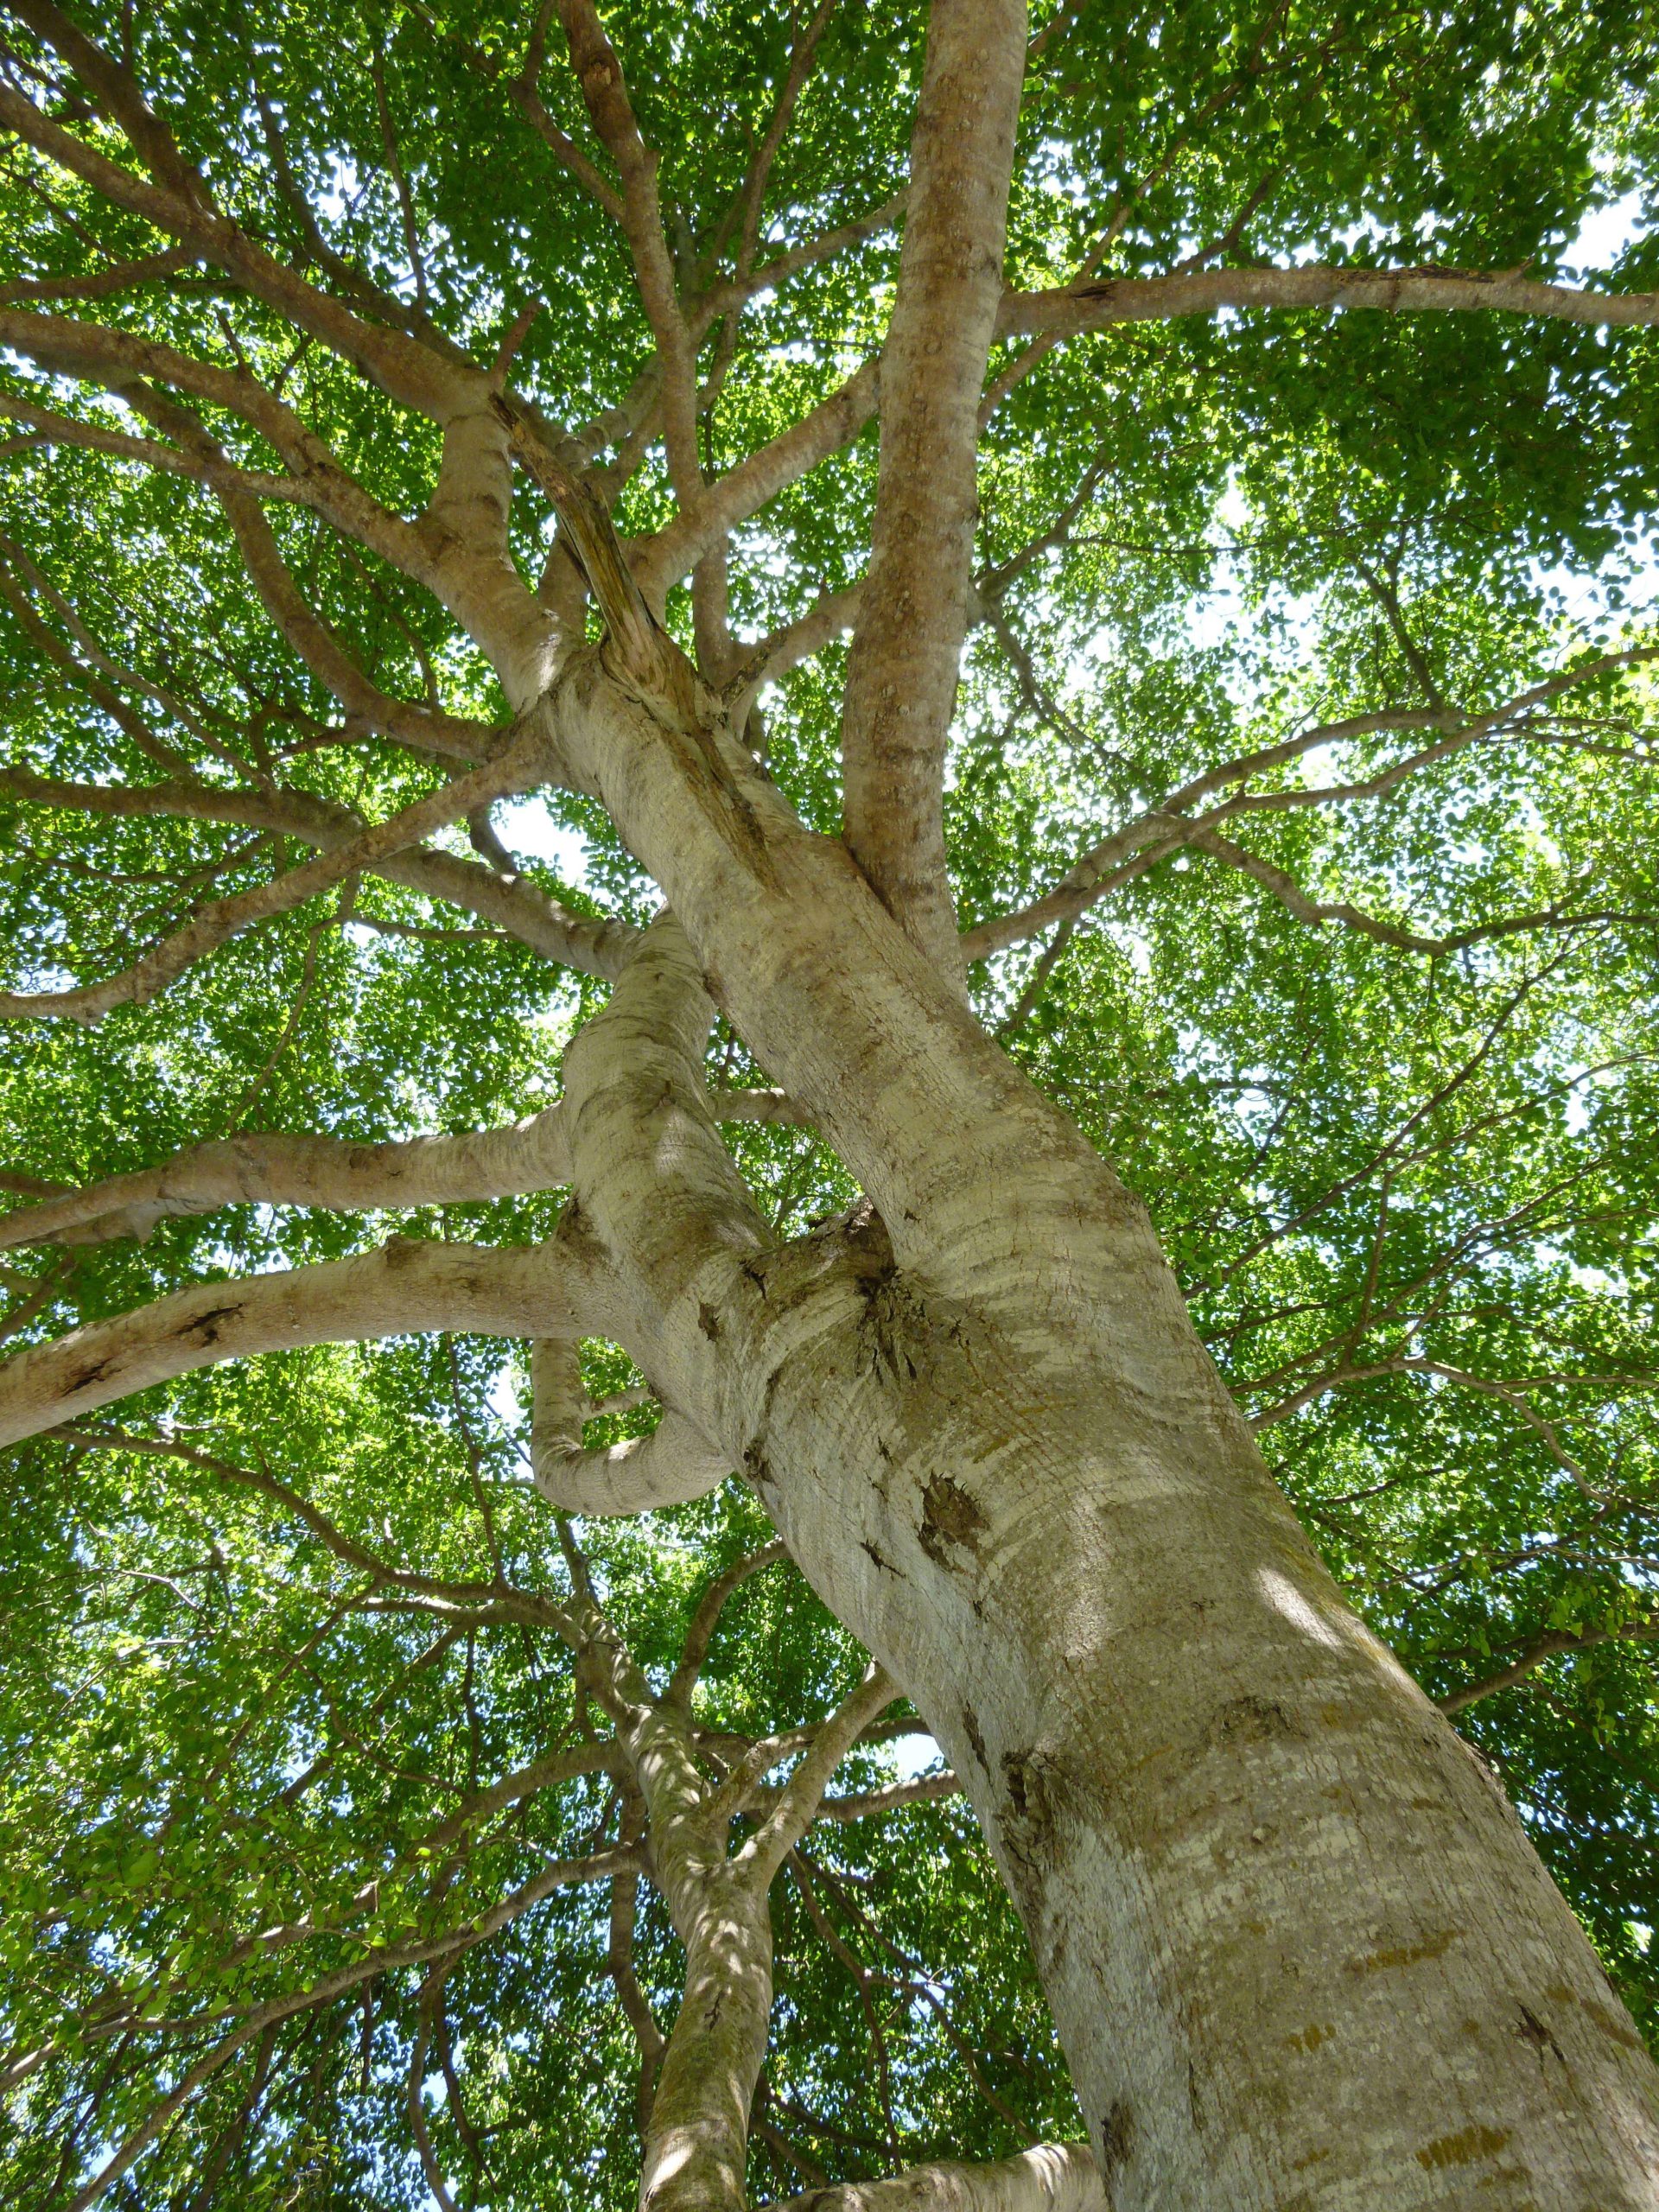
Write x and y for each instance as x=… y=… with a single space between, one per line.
x=1297 y=1946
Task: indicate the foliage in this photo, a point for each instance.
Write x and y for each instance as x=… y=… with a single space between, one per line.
x=1411 y=1187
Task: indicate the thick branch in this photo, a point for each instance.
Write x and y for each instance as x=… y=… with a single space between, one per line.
x=327 y=1171
x=117 y=360
x=672 y=1466
x=52 y=428
x=100 y=284
x=1403 y=291
x=650 y=1172
x=645 y=650
x=304 y=1170
x=901 y=679
x=1053 y=2177
x=404 y=1289
x=427 y=728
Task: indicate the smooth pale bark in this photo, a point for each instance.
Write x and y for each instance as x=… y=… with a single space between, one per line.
x=1299 y=1948
x=1300 y=1951
x=901 y=676
x=303 y=1171
x=406 y=1288
x=670 y=1466
x=1052 y=2178
x=332 y=1171
x=696 y=2135
x=1394 y=291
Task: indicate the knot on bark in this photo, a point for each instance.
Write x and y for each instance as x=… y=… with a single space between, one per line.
x=951 y=1522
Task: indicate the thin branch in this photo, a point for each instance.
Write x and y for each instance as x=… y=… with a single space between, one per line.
x=798 y=1802
x=722 y=297
x=875 y=1804
x=101 y=284
x=598 y=73
x=1138 y=845
x=705 y=1620
x=662 y=561
x=176 y=200
x=381 y=1574
x=526 y=912
x=520 y=768
x=430 y=1995
x=382 y=1958
x=405 y=199
x=1550 y=1646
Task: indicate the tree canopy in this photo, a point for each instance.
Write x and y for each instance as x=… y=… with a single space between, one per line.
x=1301 y=821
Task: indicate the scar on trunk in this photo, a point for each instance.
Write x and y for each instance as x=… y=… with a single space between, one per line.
x=1029 y=1823
x=950 y=1516
x=1252 y=1720
x=758 y=1467
x=970 y=1722
x=1534 y=2030
x=205 y=1326
x=1462 y=2148
x=1116 y=2140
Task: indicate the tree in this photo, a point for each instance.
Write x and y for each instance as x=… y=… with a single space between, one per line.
x=789 y=456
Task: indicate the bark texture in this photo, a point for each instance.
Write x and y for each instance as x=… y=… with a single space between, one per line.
x=901 y=679
x=1299 y=1948
x=1055 y=2177
x=1256 y=1864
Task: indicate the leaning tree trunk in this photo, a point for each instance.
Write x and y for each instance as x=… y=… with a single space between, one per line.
x=1297 y=1945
